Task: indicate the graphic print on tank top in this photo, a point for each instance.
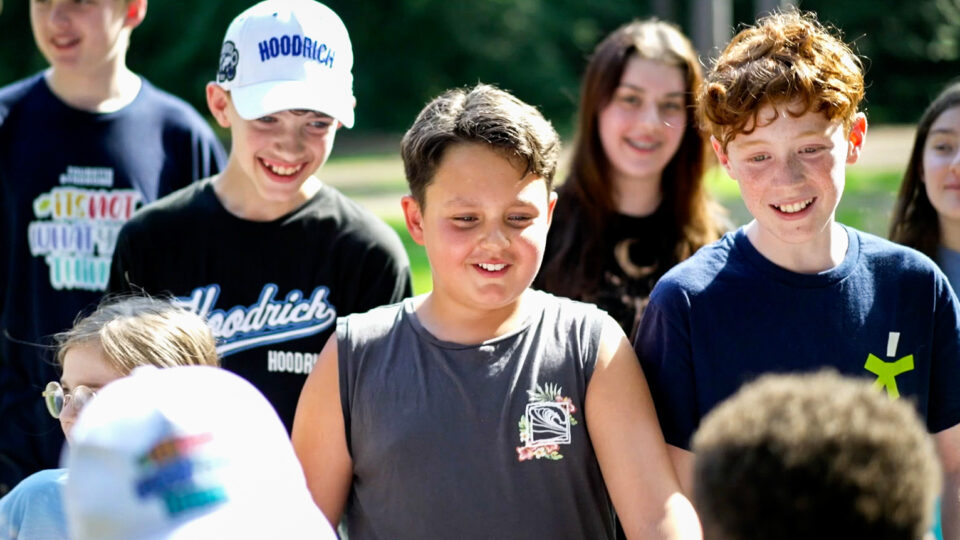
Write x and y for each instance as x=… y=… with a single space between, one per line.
x=546 y=423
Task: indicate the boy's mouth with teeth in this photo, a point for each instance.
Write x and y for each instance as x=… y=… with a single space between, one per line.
x=64 y=42
x=490 y=267
x=281 y=170
x=793 y=208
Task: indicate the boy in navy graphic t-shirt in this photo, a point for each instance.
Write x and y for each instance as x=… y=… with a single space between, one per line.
x=83 y=144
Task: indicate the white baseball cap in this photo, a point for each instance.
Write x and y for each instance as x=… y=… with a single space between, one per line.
x=288 y=54
x=185 y=453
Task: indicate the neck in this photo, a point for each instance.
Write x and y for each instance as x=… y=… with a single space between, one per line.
x=456 y=323
x=107 y=89
x=238 y=195
x=822 y=253
x=950 y=233
x=637 y=196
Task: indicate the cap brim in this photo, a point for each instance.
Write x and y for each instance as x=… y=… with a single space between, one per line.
x=257 y=100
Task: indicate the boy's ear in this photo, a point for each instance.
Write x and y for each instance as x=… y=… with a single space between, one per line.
x=856 y=138
x=551 y=204
x=136 y=12
x=413 y=218
x=722 y=157
x=217 y=101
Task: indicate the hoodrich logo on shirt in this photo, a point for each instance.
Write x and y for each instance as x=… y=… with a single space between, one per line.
x=77 y=226
x=268 y=320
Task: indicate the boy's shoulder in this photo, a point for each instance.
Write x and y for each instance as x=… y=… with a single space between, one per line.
x=701 y=270
x=15 y=92
x=171 y=109
x=177 y=211
x=883 y=253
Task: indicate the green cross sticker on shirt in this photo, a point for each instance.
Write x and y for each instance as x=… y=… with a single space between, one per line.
x=887 y=372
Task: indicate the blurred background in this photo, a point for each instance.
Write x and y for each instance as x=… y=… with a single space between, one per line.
x=408 y=51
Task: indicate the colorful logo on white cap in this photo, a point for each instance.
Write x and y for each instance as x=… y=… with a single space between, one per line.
x=177 y=471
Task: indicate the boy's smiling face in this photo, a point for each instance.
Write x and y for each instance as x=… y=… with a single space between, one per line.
x=791 y=172
x=83 y=35
x=273 y=156
x=484 y=225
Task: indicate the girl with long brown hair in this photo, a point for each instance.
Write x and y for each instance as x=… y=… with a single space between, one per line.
x=633 y=204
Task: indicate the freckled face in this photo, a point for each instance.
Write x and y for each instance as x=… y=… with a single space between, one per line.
x=791 y=175
x=484 y=227
x=84 y=365
x=941 y=165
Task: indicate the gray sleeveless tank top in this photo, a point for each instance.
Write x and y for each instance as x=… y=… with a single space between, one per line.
x=454 y=441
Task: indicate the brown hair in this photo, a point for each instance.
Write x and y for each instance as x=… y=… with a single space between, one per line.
x=786 y=57
x=482 y=114
x=587 y=196
x=137 y=331
x=915 y=223
x=814 y=456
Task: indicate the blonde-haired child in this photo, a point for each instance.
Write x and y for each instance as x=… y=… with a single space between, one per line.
x=122 y=334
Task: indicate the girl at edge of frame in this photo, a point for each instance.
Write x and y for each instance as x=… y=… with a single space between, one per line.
x=633 y=204
x=926 y=215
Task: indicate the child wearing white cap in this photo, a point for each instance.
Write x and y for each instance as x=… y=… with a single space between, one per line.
x=186 y=453
x=268 y=253
x=121 y=335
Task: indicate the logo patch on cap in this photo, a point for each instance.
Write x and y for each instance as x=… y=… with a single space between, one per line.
x=229 y=58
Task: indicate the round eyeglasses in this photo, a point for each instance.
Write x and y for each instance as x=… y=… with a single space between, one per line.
x=57 y=400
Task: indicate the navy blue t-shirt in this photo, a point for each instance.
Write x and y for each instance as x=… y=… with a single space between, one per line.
x=728 y=315
x=68 y=180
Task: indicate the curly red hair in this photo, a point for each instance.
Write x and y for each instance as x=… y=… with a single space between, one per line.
x=786 y=59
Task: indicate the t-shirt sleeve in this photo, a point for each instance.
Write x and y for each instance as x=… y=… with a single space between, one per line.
x=663 y=347
x=944 y=409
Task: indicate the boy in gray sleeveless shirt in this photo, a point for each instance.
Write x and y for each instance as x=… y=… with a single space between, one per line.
x=484 y=409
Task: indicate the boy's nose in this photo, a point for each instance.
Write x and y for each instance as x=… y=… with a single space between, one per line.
x=58 y=13
x=791 y=171
x=291 y=142
x=494 y=238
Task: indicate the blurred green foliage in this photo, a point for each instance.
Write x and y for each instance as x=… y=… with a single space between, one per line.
x=407 y=51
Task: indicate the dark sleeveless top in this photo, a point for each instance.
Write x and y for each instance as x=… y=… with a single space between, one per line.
x=472 y=441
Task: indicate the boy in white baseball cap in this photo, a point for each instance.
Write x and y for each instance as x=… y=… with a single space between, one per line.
x=268 y=253
x=185 y=453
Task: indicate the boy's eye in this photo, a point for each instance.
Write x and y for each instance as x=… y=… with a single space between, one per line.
x=519 y=219
x=267 y=119
x=759 y=158
x=321 y=124
x=810 y=150
x=465 y=219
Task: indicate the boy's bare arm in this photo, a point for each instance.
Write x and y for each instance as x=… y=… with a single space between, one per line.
x=948 y=447
x=319 y=438
x=630 y=447
x=683 y=464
